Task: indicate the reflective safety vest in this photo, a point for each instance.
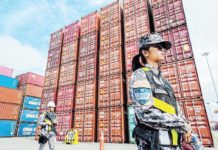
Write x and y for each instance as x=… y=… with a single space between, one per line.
x=162 y=104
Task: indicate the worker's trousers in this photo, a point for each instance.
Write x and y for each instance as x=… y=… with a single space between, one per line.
x=51 y=142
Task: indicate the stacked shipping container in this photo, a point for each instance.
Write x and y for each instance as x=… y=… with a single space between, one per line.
x=49 y=92
x=179 y=64
x=67 y=78
x=31 y=85
x=86 y=93
x=110 y=85
x=100 y=95
x=136 y=24
x=10 y=101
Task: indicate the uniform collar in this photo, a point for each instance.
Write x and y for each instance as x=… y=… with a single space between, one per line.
x=155 y=70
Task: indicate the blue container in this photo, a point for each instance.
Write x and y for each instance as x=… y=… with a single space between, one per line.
x=29 y=115
x=131 y=123
x=8 y=82
x=27 y=129
x=7 y=128
x=31 y=102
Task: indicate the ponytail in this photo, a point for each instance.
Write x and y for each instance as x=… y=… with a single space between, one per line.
x=139 y=60
x=136 y=64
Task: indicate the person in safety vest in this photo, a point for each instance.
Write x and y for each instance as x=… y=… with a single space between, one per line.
x=159 y=123
x=48 y=123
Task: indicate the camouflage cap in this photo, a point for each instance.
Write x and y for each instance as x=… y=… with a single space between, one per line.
x=154 y=38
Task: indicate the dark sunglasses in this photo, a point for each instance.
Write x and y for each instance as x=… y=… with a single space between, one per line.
x=158 y=46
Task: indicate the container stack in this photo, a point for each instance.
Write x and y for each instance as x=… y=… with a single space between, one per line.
x=110 y=86
x=179 y=65
x=86 y=93
x=136 y=24
x=67 y=79
x=10 y=101
x=87 y=67
x=31 y=85
x=49 y=92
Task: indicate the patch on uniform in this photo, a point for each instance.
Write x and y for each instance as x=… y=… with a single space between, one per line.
x=142 y=95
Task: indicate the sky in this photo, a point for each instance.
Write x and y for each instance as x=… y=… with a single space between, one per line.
x=25 y=27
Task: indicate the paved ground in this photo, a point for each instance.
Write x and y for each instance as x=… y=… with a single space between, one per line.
x=30 y=144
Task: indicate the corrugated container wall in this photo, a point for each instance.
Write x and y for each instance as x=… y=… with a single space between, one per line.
x=10 y=96
x=9 y=111
x=27 y=129
x=7 y=128
x=30 y=102
x=6 y=71
x=8 y=82
x=111 y=54
x=65 y=120
x=30 y=78
x=84 y=122
x=29 y=115
x=67 y=78
x=85 y=101
x=31 y=90
x=167 y=14
x=195 y=112
x=136 y=24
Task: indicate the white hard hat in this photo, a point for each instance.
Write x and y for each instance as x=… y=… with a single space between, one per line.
x=51 y=104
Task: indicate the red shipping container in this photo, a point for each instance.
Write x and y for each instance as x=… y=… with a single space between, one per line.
x=111 y=61
x=181 y=45
x=167 y=14
x=87 y=67
x=71 y=32
x=169 y=72
x=31 y=90
x=195 y=112
x=110 y=13
x=64 y=124
x=131 y=49
x=110 y=36
x=56 y=39
x=136 y=19
x=10 y=95
x=69 y=52
x=9 y=111
x=65 y=98
x=111 y=123
x=85 y=95
x=54 y=57
x=88 y=44
x=183 y=78
x=190 y=86
x=6 y=71
x=67 y=74
x=84 y=123
x=110 y=91
x=90 y=23
x=49 y=95
x=30 y=78
x=51 y=78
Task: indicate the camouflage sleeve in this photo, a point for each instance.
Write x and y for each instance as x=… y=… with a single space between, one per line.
x=41 y=119
x=141 y=95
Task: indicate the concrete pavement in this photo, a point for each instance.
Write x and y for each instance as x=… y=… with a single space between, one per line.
x=28 y=143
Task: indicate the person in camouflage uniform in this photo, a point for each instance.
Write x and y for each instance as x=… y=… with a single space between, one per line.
x=159 y=123
x=48 y=123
